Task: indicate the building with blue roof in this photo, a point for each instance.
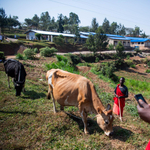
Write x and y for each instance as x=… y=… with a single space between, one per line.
x=128 y=42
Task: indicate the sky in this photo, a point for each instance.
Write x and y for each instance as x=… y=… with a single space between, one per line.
x=129 y=13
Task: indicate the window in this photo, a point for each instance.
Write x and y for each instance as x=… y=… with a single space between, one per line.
x=138 y=42
x=115 y=42
x=142 y=43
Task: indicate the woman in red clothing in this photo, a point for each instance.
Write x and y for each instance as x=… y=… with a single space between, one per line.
x=121 y=92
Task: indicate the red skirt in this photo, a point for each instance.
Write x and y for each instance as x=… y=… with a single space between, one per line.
x=148 y=146
x=116 y=110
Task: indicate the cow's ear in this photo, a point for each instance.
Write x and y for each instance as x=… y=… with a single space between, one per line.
x=99 y=110
x=108 y=107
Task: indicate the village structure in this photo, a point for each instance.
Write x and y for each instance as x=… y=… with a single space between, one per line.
x=128 y=42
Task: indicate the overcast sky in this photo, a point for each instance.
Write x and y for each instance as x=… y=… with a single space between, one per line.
x=129 y=13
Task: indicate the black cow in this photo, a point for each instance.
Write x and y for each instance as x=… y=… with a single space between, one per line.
x=15 y=69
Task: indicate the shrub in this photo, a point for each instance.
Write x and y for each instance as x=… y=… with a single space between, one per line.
x=97 y=59
x=75 y=59
x=128 y=57
x=62 y=63
x=19 y=56
x=106 y=69
x=47 y=52
x=111 y=47
x=148 y=64
x=35 y=50
x=59 y=40
x=1 y=54
x=71 y=41
x=119 y=51
x=147 y=71
x=29 y=53
x=38 y=35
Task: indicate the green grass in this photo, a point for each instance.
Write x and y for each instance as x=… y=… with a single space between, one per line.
x=28 y=122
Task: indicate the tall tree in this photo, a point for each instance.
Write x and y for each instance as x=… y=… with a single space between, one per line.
x=45 y=20
x=53 y=25
x=94 y=25
x=60 y=23
x=35 y=21
x=97 y=42
x=106 y=26
x=136 y=31
x=73 y=19
x=12 y=22
x=66 y=20
x=84 y=29
x=3 y=19
x=121 y=30
x=143 y=35
x=28 y=22
x=113 y=28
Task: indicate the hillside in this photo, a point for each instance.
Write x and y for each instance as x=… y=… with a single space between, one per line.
x=28 y=122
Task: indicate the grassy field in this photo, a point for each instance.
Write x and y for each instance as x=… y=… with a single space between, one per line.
x=28 y=121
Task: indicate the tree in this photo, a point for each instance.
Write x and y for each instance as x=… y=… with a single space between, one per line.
x=3 y=19
x=113 y=28
x=45 y=20
x=60 y=23
x=38 y=35
x=35 y=21
x=119 y=50
x=28 y=22
x=94 y=25
x=121 y=30
x=136 y=31
x=13 y=22
x=106 y=26
x=143 y=35
x=84 y=29
x=97 y=42
x=73 y=19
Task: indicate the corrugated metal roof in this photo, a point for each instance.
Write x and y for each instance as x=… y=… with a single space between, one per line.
x=119 y=38
x=55 y=33
x=112 y=35
x=135 y=39
x=140 y=40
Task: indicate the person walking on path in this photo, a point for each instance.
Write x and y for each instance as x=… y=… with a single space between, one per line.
x=121 y=92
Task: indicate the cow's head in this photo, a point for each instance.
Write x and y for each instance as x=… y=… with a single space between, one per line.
x=105 y=120
x=18 y=88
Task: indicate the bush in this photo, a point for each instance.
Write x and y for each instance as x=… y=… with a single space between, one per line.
x=128 y=57
x=29 y=53
x=62 y=63
x=38 y=35
x=71 y=41
x=106 y=69
x=97 y=59
x=147 y=71
x=75 y=59
x=119 y=51
x=111 y=47
x=47 y=52
x=1 y=54
x=59 y=40
x=19 y=56
x=35 y=50
x=148 y=64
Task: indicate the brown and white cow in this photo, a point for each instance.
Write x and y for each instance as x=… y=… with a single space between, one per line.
x=70 y=89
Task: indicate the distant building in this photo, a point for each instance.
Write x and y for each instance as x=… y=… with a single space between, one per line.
x=128 y=42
